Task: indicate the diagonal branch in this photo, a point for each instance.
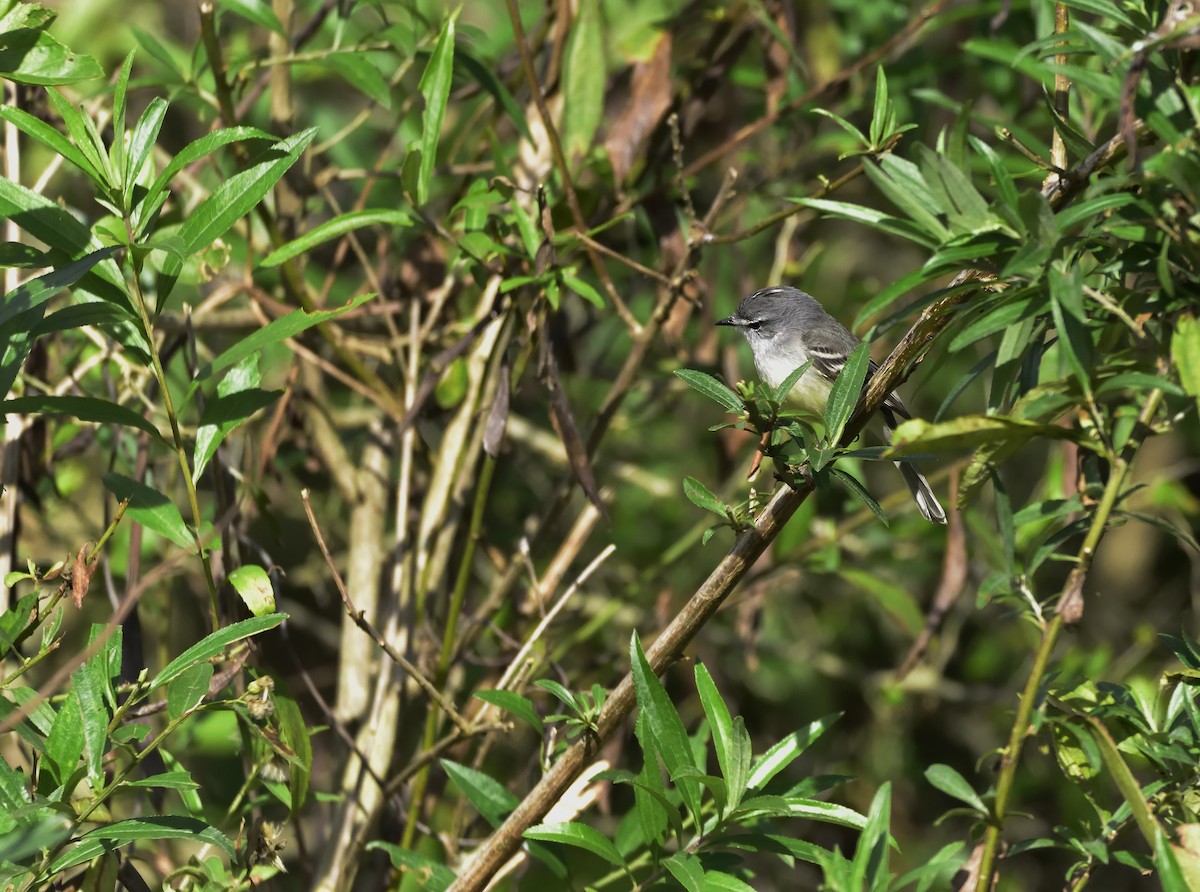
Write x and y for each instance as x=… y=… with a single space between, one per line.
x=749 y=545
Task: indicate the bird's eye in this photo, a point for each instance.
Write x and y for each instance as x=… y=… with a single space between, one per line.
x=754 y=325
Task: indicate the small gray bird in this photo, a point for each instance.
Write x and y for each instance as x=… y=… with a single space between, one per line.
x=786 y=328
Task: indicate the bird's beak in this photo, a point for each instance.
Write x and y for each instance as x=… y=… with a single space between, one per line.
x=729 y=320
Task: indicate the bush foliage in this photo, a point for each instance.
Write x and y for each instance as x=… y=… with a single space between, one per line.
x=375 y=506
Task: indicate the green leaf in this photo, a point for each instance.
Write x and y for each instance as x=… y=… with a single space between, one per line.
x=954 y=784
x=148 y=829
x=717 y=881
x=573 y=833
x=187 y=691
x=870 y=864
x=169 y=780
x=893 y=598
x=238 y=398
x=847 y=389
x=852 y=485
x=486 y=794
x=882 y=117
x=214 y=646
x=281 y=329
x=82 y=131
x=1185 y=354
x=193 y=152
x=858 y=136
x=871 y=217
x=357 y=70
x=583 y=289
x=64 y=743
x=90 y=682
x=786 y=385
x=700 y=496
x=35 y=837
x=687 y=870
x=902 y=183
x=294 y=734
x=512 y=702
x=150 y=508
x=238 y=194
x=433 y=875
x=141 y=144
x=1170 y=873
x=256 y=11
x=711 y=388
x=1066 y=293
x=253 y=586
x=335 y=228
x=35 y=292
x=85 y=408
x=488 y=80
x=787 y=751
x=669 y=738
x=435 y=87
x=584 y=79
x=966 y=432
x=51 y=138
x=32 y=56
x=730 y=739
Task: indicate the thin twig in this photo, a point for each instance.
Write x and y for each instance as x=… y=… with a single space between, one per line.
x=359 y=620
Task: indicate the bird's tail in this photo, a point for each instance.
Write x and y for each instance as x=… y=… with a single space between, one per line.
x=931 y=509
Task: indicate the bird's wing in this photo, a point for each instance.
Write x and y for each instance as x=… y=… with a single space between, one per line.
x=829 y=360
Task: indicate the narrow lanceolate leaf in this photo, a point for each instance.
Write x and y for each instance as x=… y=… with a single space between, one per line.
x=238 y=194
x=844 y=395
x=111 y=836
x=213 y=646
x=721 y=726
x=711 y=388
x=950 y=782
x=573 y=833
x=157 y=194
x=917 y=437
x=238 y=397
x=665 y=727
x=150 y=508
x=281 y=329
x=1185 y=354
x=788 y=750
x=85 y=408
x=50 y=137
x=37 y=291
x=786 y=385
x=583 y=79
x=141 y=143
x=331 y=229
x=513 y=703
x=687 y=871
x=435 y=87
x=485 y=793
x=870 y=865
x=860 y=492
x=700 y=496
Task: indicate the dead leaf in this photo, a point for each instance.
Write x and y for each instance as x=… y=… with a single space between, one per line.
x=81 y=576
x=497 y=422
x=649 y=99
x=1070 y=605
x=567 y=430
